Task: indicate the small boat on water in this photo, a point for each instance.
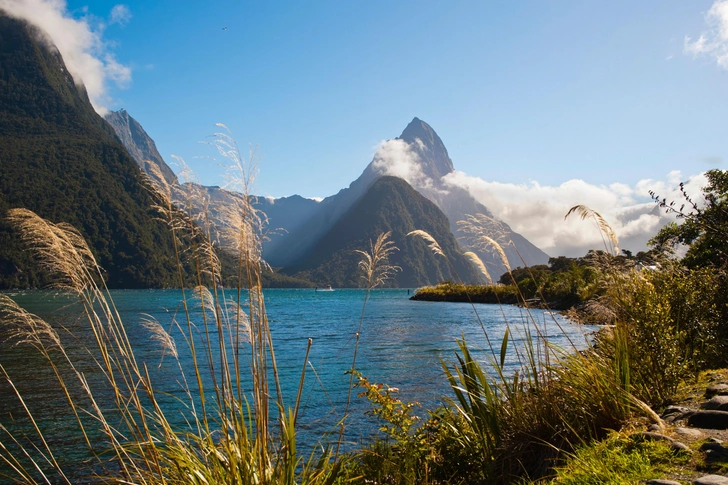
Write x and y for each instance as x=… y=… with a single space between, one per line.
x=328 y=288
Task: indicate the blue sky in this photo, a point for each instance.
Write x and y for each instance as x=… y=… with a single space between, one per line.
x=528 y=94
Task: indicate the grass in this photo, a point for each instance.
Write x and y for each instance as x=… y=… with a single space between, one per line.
x=618 y=459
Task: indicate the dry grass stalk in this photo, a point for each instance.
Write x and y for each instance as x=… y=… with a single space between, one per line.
x=374 y=264
x=485 y=234
x=611 y=243
x=431 y=242
x=478 y=263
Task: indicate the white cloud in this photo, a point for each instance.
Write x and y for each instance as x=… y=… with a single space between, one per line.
x=396 y=158
x=714 y=42
x=120 y=14
x=537 y=212
x=84 y=52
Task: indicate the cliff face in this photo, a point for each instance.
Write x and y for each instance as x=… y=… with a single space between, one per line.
x=140 y=146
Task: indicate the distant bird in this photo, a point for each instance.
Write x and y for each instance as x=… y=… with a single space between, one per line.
x=224 y=28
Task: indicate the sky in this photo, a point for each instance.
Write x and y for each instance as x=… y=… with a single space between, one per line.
x=542 y=104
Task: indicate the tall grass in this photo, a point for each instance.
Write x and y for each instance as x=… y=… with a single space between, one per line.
x=234 y=434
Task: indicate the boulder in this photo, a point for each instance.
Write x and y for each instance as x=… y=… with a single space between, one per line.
x=709 y=419
x=717 y=389
x=711 y=480
x=718 y=403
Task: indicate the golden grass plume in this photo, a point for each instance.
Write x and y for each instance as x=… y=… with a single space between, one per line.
x=611 y=242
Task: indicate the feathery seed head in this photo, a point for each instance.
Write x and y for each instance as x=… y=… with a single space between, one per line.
x=431 y=242
x=375 y=265
x=606 y=230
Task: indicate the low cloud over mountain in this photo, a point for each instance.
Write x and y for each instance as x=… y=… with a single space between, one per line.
x=537 y=211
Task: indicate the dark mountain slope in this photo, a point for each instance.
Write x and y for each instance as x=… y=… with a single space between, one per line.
x=390 y=204
x=61 y=160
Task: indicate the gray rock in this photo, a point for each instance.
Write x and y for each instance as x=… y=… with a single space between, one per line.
x=660 y=481
x=693 y=433
x=719 y=389
x=715 y=440
x=709 y=420
x=675 y=410
x=719 y=403
x=654 y=427
x=676 y=413
x=679 y=447
x=711 y=480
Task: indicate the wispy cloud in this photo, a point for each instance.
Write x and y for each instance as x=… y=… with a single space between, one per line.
x=120 y=14
x=87 y=57
x=714 y=41
x=399 y=159
x=537 y=211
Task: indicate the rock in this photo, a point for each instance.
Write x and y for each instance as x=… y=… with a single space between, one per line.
x=660 y=481
x=714 y=452
x=711 y=480
x=719 y=389
x=654 y=427
x=675 y=410
x=679 y=447
x=719 y=403
x=693 y=433
x=710 y=446
x=715 y=440
x=650 y=436
x=673 y=413
x=709 y=420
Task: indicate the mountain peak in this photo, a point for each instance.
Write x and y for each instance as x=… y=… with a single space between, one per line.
x=431 y=150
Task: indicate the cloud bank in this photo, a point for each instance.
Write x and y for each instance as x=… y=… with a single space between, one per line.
x=537 y=212
x=713 y=42
x=87 y=57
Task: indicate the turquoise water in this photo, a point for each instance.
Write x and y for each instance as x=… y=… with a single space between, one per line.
x=402 y=344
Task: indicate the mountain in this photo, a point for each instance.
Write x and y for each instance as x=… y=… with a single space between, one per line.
x=424 y=161
x=140 y=146
x=195 y=198
x=389 y=204
x=456 y=202
x=60 y=159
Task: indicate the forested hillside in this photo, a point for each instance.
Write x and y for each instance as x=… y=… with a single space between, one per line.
x=60 y=159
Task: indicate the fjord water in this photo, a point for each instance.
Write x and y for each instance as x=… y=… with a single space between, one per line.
x=402 y=344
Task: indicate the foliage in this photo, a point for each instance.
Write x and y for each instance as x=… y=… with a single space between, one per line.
x=670 y=325
x=233 y=436
x=396 y=415
x=704 y=226
x=458 y=292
